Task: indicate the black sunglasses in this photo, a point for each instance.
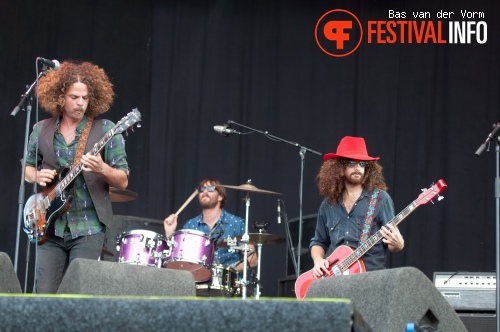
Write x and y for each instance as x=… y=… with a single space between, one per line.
x=352 y=163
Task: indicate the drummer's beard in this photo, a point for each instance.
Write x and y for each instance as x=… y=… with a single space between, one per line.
x=210 y=204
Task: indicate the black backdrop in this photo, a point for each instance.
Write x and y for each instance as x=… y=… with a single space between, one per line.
x=189 y=65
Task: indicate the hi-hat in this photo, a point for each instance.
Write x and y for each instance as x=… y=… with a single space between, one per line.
x=118 y=196
x=251 y=188
x=256 y=238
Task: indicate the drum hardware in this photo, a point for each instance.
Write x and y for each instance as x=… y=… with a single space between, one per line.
x=161 y=257
x=248 y=187
x=260 y=239
x=106 y=252
x=254 y=238
x=141 y=247
x=261 y=225
x=224 y=282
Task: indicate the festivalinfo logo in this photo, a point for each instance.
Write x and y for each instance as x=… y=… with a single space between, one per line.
x=339 y=32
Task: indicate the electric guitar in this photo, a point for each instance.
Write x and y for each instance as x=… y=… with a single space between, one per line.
x=345 y=260
x=42 y=209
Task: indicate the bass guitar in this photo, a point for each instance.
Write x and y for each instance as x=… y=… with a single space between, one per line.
x=42 y=209
x=345 y=260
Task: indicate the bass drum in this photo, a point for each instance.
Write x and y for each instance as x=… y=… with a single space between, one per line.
x=224 y=283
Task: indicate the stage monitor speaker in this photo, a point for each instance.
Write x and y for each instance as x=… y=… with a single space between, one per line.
x=9 y=283
x=389 y=299
x=122 y=224
x=62 y=313
x=308 y=228
x=91 y=277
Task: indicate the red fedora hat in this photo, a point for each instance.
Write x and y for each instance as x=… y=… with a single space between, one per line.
x=351 y=148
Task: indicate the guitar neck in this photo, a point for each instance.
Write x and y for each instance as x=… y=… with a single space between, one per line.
x=77 y=169
x=375 y=238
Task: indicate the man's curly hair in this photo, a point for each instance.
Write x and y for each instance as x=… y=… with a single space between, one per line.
x=331 y=180
x=52 y=88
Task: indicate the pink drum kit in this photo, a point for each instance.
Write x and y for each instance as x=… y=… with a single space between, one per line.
x=190 y=250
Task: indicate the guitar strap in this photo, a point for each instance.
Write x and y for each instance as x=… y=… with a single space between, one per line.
x=370 y=213
x=82 y=142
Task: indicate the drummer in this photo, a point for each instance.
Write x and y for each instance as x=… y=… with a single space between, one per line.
x=217 y=223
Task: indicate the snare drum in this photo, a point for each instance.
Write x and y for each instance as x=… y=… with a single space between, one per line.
x=192 y=251
x=224 y=283
x=142 y=247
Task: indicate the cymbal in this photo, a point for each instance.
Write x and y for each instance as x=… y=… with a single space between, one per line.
x=118 y=196
x=256 y=238
x=250 y=188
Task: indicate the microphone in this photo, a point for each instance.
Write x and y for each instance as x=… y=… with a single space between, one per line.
x=52 y=64
x=279 y=212
x=490 y=137
x=225 y=131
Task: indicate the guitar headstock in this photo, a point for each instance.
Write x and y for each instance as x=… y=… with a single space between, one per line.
x=429 y=194
x=127 y=121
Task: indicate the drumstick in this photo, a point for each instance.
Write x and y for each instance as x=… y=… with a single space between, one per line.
x=195 y=192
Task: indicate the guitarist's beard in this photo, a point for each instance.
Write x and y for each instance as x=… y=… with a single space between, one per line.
x=352 y=180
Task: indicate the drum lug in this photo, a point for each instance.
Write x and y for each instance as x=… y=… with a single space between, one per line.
x=137 y=258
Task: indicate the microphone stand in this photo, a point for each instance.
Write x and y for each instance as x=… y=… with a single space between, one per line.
x=291 y=249
x=492 y=137
x=27 y=98
x=302 y=152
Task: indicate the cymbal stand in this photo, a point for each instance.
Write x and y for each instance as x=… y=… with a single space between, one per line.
x=257 y=286
x=262 y=229
x=244 y=239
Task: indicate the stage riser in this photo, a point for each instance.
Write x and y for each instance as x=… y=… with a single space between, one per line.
x=389 y=299
x=164 y=314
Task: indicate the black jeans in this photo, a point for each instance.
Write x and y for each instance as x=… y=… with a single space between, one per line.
x=55 y=255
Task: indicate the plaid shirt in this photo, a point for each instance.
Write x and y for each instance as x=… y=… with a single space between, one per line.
x=81 y=217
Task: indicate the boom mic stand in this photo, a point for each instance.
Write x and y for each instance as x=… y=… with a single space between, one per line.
x=492 y=137
x=27 y=98
x=302 y=153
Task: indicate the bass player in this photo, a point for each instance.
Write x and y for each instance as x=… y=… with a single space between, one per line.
x=356 y=205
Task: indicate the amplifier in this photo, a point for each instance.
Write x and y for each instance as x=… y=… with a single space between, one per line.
x=466 y=291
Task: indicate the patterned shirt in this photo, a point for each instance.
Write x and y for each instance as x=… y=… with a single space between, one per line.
x=81 y=217
x=228 y=225
x=336 y=227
